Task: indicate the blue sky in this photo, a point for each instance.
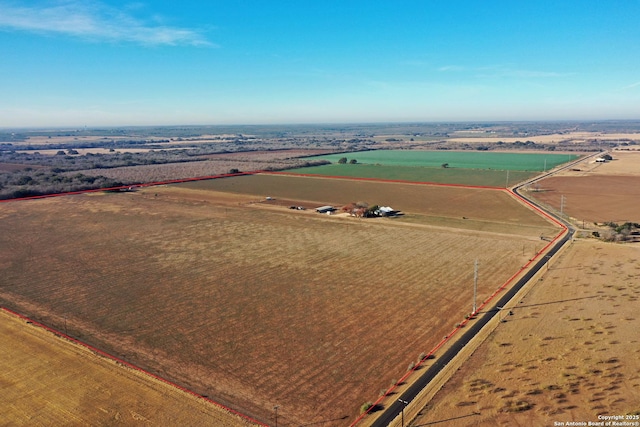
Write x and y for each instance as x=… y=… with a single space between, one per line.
x=111 y=63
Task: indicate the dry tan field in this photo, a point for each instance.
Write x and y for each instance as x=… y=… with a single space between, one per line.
x=624 y=163
x=83 y=151
x=553 y=138
x=182 y=170
x=47 y=380
x=455 y=207
x=70 y=139
x=79 y=138
x=258 y=155
x=12 y=167
x=251 y=304
x=569 y=351
x=263 y=155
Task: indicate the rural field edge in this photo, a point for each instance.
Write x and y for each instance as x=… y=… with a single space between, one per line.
x=104 y=354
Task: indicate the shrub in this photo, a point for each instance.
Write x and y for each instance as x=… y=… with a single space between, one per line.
x=519 y=406
x=23 y=192
x=365 y=407
x=25 y=180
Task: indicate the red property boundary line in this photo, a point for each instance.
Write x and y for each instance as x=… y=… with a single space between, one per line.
x=125 y=187
x=399 y=181
x=103 y=353
x=132 y=366
x=446 y=339
x=486 y=302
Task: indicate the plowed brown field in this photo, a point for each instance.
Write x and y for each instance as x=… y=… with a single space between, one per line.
x=256 y=307
x=602 y=198
x=597 y=192
x=449 y=206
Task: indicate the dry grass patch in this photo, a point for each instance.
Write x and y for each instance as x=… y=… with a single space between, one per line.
x=579 y=374
x=47 y=380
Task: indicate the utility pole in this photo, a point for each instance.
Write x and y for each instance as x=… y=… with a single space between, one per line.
x=275 y=408
x=475 y=286
x=404 y=405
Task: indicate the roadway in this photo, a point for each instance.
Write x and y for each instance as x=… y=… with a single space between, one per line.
x=479 y=321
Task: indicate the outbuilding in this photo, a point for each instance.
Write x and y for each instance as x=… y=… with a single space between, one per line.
x=386 y=211
x=325 y=209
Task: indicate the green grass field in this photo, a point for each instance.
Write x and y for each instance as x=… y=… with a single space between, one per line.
x=533 y=162
x=464 y=168
x=491 y=178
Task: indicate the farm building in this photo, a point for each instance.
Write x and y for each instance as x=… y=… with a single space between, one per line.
x=325 y=209
x=386 y=211
x=362 y=210
x=604 y=158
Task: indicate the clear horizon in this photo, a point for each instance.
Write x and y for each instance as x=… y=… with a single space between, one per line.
x=73 y=128
x=112 y=64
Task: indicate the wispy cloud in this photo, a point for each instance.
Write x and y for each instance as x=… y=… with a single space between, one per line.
x=502 y=71
x=505 y=71
x=633 y=85
x=96 y=22
x=447 y=68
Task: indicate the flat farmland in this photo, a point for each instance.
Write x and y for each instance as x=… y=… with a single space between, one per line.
x=476 y=177
x=458 y=159
x=596 y=192
x=264 y=155
x=476 y=209
x=493 y=169
x=594 y=198
x=47 y=380
x=183 y=170
x=567 y=353
x=565 y=137
x=250 y=304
